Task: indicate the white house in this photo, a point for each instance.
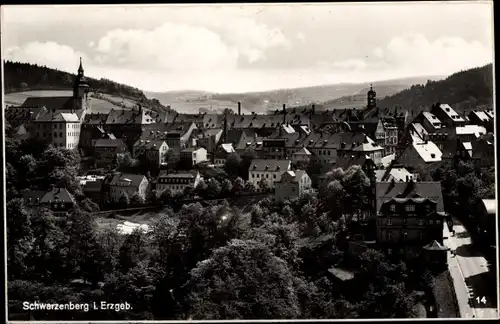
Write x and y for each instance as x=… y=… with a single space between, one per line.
x=267 y=170
x=177 y=182
x=128 y=183
x=417 y=154
x=155 y=151
x=194 y=155
x=222 y=153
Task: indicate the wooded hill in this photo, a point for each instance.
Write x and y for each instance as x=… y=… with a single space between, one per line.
x=464 y=90
x=25 y=76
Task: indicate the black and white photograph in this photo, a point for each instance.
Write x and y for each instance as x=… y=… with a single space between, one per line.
x=246 y=161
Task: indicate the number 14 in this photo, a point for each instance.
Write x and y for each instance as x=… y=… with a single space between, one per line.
x=481 y=300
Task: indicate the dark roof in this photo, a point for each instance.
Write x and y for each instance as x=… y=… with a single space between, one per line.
x=385 y=191
x=22 y=113
x=292 y=176
x=106 y=142
x=57 y=103
x=93 y=118
x=33 y=195
x=186 y=175
x=192 y=149
x=122 y=117
x=57 y=194
x=269 y=165
x=344 y=162
x=136 y=179
x=93 y=185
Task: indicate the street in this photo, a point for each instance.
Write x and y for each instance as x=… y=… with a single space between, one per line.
x=471 y=279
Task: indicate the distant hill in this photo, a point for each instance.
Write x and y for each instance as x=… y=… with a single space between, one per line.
x=337 y=96
x=23 y=77
x=464 y=90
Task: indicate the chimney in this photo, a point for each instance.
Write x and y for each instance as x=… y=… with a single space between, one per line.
x=284 y=114
x=313 y=109
x=239 y=108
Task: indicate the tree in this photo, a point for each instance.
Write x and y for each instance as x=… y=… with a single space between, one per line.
x=246 y=160
x=238 y=185
x=48 y=258
x=242 y=280
x=250 y=187
x=166 y=195
x=226 y=187
x=19 y=238
x=232 y=165
x=27 y=165
x=172 y=159
x=137 y=199
x=124 y=200
x=126 y=162
x=213 y=188
x=133 y=250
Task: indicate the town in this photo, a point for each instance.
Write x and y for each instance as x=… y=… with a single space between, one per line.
x=337 y=195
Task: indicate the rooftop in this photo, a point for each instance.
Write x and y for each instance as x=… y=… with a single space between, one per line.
x=385 y=191
x=269 y=165
x=428 y=151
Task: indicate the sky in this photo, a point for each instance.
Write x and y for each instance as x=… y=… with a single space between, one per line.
x=241 y=48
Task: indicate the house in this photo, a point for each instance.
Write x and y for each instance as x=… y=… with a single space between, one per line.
x=469 y=133
x=207 y=139
x=292 y=184
x=61 y=129
x=482 y=118
x=386 y=136
x=93 y=190
x=93 y=129
x=274 y=148
x=410 y=215
x=58 y=200
x=448 y=115
x=397 y=173
x=128 y=124
x=364 y=161
x=483 y=151
x=106 y=151
x=269 y=171
x=221 y=154
x=154 y=151
x=177 y=182
x=129 y=184
x=301 y=156
x=417 y=154
x=193 y=155
x=435 y=253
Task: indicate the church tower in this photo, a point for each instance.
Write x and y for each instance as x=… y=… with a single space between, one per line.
x=80 y=89
x=371 y=98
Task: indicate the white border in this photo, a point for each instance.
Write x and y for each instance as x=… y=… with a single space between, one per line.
x=2 y=29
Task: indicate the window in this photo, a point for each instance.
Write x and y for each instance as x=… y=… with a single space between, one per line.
x=253 y=175
x=389 y=251
x=410 y=208
x=267 y=175
x=421 y=234
x=431 y=222
x=406 y=221
x=274 y=176
x=393 y=208
x=438 y=221
x=389 y=236
x=389 y=221
x=405 y=235
x=420 y=222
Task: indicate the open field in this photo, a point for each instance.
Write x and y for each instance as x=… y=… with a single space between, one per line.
x=98 y=105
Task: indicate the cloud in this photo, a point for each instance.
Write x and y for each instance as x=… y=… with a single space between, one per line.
x=190 y=46
x=444 y=55
x=50 y=54
x=301 y=37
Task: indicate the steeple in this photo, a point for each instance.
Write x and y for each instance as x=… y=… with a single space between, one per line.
x=80 y=69
x=371 y=98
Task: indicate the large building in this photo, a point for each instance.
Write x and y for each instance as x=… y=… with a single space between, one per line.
x=269 y=171
x=178 y=181
x=291 y=185
x=55 y=120
x=410 y=215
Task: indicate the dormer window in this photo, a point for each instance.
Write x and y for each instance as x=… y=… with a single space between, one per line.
x=393 y=208
x=410 y=208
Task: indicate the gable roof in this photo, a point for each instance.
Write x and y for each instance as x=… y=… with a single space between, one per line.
x=185 y=175
x=107 y=142
x=429 y=152
x=57 y=103
x=451 y=113
x=302 y=151
x=471 y=129
x=385 y=191
x=292 y=176
x=269 y=165
x=135 y=179
x=435 y=246
x=57 y=194
x=344 y=162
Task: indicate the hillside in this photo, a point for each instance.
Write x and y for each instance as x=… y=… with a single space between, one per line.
x=23 y=77
x=337 y=96
x=464 y=90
